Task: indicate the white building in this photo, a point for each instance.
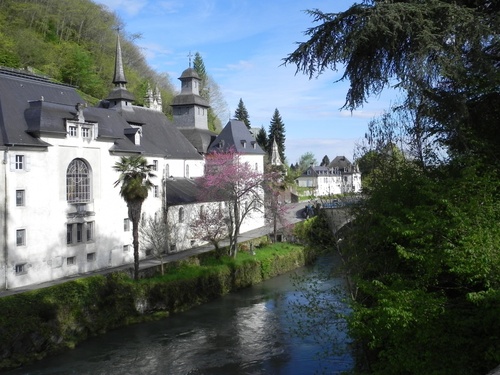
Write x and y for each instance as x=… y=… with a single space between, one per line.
x=60 y=212
x=339 y=177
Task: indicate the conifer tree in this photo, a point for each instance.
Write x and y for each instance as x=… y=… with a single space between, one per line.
x=277 y=132
x=199 y=66
x=208 y=91
x=325 y=161
x=261 y=139
x=241 y=114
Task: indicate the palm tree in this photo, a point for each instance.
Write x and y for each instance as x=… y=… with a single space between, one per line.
x=135 y=182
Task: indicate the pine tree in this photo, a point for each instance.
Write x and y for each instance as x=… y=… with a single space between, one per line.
x=205 y=92
x=241 y=114
x=277 y=131
x=325 y=161
x=261 y=139
x=199 y=66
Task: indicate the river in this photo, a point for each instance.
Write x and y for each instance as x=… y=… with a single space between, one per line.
x=249 y=332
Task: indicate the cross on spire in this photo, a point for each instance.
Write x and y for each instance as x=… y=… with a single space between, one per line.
x=190 y=55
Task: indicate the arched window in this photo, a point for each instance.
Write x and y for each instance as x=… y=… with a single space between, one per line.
x=78 y=180
x=181 y=215
x=187 y=170
x=167 y=170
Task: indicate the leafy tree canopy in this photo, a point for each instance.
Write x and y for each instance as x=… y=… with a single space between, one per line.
x=305 y=161
x=443 y=54
x=72 y=41
x=423 y=250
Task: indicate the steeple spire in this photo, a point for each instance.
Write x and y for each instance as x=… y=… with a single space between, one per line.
x=275 y=155
x=119 y=78
x=120 y=97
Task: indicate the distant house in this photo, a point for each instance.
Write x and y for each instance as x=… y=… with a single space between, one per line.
x=60 y=212
x=340 y=176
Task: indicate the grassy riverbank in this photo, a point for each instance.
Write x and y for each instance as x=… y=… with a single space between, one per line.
x=45 y=321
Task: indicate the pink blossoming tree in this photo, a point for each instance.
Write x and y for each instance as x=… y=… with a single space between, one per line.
x=230 y=180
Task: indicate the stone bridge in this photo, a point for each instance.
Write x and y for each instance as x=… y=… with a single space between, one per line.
x=338 y=217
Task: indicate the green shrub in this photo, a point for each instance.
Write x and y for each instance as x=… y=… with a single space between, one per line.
x=44 y=321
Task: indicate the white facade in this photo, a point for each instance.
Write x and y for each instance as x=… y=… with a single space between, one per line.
x=46 y=237
x=61 y=214
x=324 y=181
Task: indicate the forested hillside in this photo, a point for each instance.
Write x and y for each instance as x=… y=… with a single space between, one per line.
x=73 y=41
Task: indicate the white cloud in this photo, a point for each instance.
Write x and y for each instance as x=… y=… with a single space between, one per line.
x=170 y=7
x=130 y=7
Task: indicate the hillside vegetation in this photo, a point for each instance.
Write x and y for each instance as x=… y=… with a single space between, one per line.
x=73 y=41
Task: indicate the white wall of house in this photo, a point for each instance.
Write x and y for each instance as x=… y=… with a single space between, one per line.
x=324 y=185
x=44 y=253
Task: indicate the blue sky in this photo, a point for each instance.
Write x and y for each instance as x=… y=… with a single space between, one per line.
x=242 y=44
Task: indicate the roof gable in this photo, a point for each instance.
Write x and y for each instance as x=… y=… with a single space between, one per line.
x=236 y=135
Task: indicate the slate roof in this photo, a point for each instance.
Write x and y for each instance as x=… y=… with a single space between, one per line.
x=339 y=165
x=236 y=134
x=31 y=106
x=201 y=139
x=17 y=89
x=159 y=135
x=181 y=191
x=340 y=162
x=317 y=171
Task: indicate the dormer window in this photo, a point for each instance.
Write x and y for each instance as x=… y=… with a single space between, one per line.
x=244 y=143
x=254 y=144
x=73 y=131
x=83 y=130
x=134 y=133
x=86 y=133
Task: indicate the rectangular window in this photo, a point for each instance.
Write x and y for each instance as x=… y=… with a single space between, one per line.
x=21 y=237
x=90 y=257
x=90 y=231
x=69 y=233
x=19 y=162
x=19 y=198
x=79 y=232
x=20 y=269
x=126 y=225
x=126 y=248
x=70 y=261
x=155 y=165
x=156 y=191
x=72 y=131
x=86 y=133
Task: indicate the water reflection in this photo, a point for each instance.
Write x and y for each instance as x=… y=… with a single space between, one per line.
x=248 y=332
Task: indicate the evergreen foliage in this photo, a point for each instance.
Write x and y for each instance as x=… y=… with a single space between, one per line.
x=277 y=132
x=214 y=123
x=262 y=139
x=241 y=114
x=325 y=161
